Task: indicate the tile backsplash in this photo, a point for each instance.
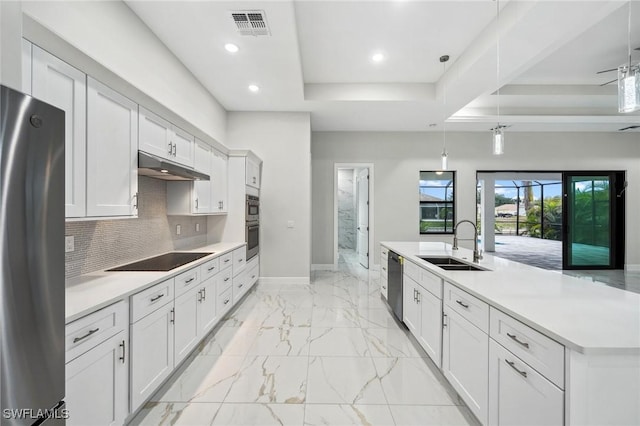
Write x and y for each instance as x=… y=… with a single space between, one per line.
x=101 y=244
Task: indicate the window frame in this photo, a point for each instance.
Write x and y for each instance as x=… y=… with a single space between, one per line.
x=421 y=204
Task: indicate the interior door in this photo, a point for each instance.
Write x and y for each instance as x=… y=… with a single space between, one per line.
x=593 y=235
x=363 y=217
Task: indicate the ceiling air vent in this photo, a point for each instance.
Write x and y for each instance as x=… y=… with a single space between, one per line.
x=251 y=22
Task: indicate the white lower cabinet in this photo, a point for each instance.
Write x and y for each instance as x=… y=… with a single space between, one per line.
x=422 y=312
x=152 y=351
x=97 y=382
x=519 y=395
x=465 y=361
x=207 y=303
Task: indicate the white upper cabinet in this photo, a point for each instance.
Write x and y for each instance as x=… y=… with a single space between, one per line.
x=253 y=173
x=161 y=138
x=202 y=160
x=63 y=86
x=219 y=182
x=26 y=66
x=112 y=152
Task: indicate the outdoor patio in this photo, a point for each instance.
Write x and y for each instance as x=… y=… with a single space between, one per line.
x=546 y=254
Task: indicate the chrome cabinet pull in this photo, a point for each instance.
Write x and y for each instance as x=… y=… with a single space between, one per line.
x=200 y=296
x=77 y=339
x=211 y=268
x=174 y=149
x=173 y=316
x=170 y=148
x=189 y=280
x=444 y=320
x=135 y=201
x=226 y=279
x=240 y=286
x=418 y=294
x=123 y=352
x=240 y=260
x=414 y=294
x=158 y=297
x=462 y=304
x=226 y=260
x=196 y=203
x=204 y=294
x=384 y=287
x=253 y=276
x=512 y=365
x=384 y=269
x=226 y=301
x=514 y=337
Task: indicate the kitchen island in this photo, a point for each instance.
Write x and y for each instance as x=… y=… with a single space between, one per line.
x=522 y=344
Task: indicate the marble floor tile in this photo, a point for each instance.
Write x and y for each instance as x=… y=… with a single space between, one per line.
x=247 y=316
x=411 y=381
x=432 y=415
x=334 y=414
x=206 y=379
x=333 y=301
x=388 y=342
x=229 y=341
x=334 y=317
x=176 y=413
x=377 y=318
x=344 y=380
x=288 y=341
x=337 y=342
x=270 y=379
x=259 y=414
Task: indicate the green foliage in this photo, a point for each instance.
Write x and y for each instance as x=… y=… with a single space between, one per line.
x=501 y=200
x=552 y=219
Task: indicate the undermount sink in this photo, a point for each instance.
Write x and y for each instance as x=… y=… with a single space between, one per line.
x=450 y=264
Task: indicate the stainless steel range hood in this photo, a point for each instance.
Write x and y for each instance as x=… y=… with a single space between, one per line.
x=159 y=168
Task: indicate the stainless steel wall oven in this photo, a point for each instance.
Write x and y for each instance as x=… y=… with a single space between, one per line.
x=252 y=225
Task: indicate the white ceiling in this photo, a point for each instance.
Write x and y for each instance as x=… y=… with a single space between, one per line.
x=318 y=59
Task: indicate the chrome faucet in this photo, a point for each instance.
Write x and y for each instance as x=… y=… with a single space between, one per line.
x=476 y=254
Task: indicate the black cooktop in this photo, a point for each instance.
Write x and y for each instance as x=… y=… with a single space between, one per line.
x=162 y=263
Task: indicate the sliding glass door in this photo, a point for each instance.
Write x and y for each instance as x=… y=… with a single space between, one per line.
x=593 y=236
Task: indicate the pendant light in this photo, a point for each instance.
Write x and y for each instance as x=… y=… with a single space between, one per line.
x=444 y=157
x=629 y=80
x=498 y=135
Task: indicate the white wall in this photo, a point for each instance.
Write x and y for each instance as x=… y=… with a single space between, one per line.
x=283 y=142
x=399 y=156
x=10 y=44
x=112 y=35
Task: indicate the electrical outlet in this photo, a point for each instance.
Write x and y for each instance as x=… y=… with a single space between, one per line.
x=197 y=227
x=178 y=229
x=69 y=243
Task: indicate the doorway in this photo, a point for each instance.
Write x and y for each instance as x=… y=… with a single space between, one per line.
x=353 y=208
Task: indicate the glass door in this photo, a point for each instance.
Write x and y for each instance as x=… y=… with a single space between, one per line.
x=593 y=236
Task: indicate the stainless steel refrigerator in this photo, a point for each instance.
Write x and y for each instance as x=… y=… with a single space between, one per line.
x=32 y=293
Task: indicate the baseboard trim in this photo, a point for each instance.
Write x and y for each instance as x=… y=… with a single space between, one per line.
x=633 y=267
x=284 y=280
x=322 y=267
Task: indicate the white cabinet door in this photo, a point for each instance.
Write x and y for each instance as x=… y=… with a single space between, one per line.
x=202 y=159
x=253 y=173
x=112 y=152
x=410 y=308
x=184 y=147
x=26 y=66
x=519 y=395
x=186 y=324
x=219 y=182
x=155 y=135
x=465 y=361
x=207 y=317
x=202 y=188
x=97 y=384
x=430 y=337
x=151 y=353
x=63 y=86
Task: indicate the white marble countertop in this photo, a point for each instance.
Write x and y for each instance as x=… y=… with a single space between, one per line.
x=90 y=292
x=586 y=316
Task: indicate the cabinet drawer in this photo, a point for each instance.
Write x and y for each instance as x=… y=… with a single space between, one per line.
x=384 y=255
x=147 y=301
x=384 y=287
x=471 y=308
x=255 y=261
x=186 y=281
x=225 y=261
x=384 y=265
x=224 y=281
x=412 y=270
x=240 y=287
x=87 y=332
x=253 y=274
x=209 y=269
x=534 y=348
x=431 y=282
x=224 y=302
x=239 y=260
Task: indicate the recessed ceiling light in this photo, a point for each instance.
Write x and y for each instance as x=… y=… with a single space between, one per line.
x=231 y=48
x=377 y=57
x=254 y=88
x=164 y=171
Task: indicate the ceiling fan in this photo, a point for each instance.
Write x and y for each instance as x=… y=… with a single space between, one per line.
x=611 y=70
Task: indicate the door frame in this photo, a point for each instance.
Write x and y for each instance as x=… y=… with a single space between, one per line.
x=617 y=222
x=336 y=167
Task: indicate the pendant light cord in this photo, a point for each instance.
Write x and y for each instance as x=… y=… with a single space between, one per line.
x=444 y=112
x=629 y=35
x=498 y=55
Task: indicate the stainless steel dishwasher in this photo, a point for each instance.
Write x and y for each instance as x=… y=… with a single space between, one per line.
x=394 y=277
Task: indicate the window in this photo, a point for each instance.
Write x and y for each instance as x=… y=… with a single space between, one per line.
x=437 y=202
